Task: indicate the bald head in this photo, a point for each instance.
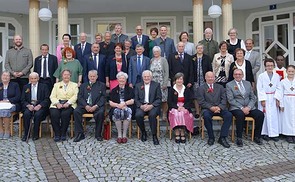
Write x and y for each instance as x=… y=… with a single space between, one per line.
x=209 y=77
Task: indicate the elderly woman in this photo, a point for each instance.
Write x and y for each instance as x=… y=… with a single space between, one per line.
x=121 y=101
x=189 y=47
x=115 y=64
x=63 y=101
x=9 y=94
x=66 y=42
x=180 y=117
x=153 y=35
x=71 y=64
x=160 y=69
x=242 y=64
x=221 y=63
x=234 y=42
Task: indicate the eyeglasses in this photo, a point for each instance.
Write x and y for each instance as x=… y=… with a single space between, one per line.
x=238 y=74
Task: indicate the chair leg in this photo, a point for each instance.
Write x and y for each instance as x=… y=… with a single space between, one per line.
x=202 y=128
x=110 y=129
x=130 y=128
x=138 y=132
x=72 y=127
x=158 y=127
x=170 y=133
x=247 y=128
x=233 y=131
x=253 y=128
x=11 y=124
x=20 y=126
x=40 y=130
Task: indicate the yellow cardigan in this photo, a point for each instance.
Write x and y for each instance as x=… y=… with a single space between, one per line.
x=59 y=93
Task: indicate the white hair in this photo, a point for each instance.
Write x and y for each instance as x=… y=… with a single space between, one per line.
x=122 y=74
x=157 y=48
x=147 y=71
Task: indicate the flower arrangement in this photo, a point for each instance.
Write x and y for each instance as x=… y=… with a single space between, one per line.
x=235 y=67
x=177 y=56
x=236 y=88
x=142 y=87
x=27 y=90
x=105 y=46
x=60 y=87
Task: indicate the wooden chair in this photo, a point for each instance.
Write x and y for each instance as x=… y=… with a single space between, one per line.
x=158 y=126
x=11 y=122
x=216 y=118
x=248 y=119
x=49 y=127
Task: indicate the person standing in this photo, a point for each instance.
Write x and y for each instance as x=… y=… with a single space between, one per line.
x=165 y=43
x=107 y=47
x=142 y=39
x=234 y=42
x=19 y=61
x=118 y=36
x=280 y=69
x=189 y=47
x=210 y=45
x=83 y=48
x=252 y=56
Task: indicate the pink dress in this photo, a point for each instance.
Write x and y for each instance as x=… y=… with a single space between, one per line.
x=114 y=83
x=181 y=118
x=59 y=52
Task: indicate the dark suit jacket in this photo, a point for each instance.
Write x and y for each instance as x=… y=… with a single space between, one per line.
x=173 y=99
x=98 y=94
x=107 y=49
x=206 y=65
x=167 y=45
x=42 y=96
x=132 y=70
x=249 y=73
x=145 y=43
x=52 y=66
x=13 y=94
x=115 y=97
x=111 y=67
x=155 y=94
x=129 y=55
x=175 y=66
x=122 y=38
x=78 y=50
x=209 y=99
x=90 y=65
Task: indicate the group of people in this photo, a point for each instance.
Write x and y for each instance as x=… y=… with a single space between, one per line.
x=147 y=76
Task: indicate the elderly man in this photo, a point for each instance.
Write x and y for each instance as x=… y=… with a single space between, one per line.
x=148 y=99
x=94 y=61
x=107 y=47
x=252 y=56
x=165 y=43
x=19 y=61
x=35 y=103
x=242 y=103
x=118 y=36
x=137 y=65
x=212 y=99
x=139 y=38
x=83 y=48
x=210 y=45
x=91 y=99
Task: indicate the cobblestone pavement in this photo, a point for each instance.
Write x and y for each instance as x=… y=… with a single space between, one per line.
x=90 y=160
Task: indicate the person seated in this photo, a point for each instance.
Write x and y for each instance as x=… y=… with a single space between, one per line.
x=242 y=101
x=91 y=99
x=35 y=103
x=179 y=102
x=121 y=102
x=63 y=101
x=212 y=99
x=9 y=94
x=148 y=99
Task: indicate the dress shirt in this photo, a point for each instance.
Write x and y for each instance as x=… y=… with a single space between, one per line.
x=146 y=92
x=34 y=89
x=243 y=68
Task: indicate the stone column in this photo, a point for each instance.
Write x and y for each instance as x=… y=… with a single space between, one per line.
x=198 y=20
x=34 y=30
x=62 y=15
x=227 y=17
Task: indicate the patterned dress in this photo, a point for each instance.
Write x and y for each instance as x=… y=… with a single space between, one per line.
x=158 y=76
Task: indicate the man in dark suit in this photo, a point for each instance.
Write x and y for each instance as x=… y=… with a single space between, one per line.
x=165 y=43
x=91 y=99
x=242 y=103
x=35 y=103
x=94 y=61
x=45 y=65
x=181 y=62
x=107 y=47
x=118 y=36
x=83 y=48
x=212 y=99
x=139 y=38
x=137 y=65
x=148 y=99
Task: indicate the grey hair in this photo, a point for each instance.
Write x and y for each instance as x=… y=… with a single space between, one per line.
x=6 y=72
x=147 y=71
x=231 y=29
x=139 y=45
x=121 y=73
x=34 y=74
x=92 y=71
x=157 y=48
x=62 y=72
x=109 y=32
x=199 y=44
x=83 y=33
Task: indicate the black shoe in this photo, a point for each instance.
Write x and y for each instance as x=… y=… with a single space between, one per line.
x=143 y=137
x=24 y=138
x=210 y=141
x=223 y=142
x=35 y=138
x=289 y=139
x=57 y=139
x=258 y=141
x=99 y=139
x=177 y=139
x=63 y=138
x=266 y=138
x=239 y=142
x=182 y=139
x=155 y=140
x=276 y=139
x=79 y=137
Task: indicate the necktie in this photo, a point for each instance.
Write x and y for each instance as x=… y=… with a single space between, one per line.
x=138 y=66
x=82 y=48
x=139 y=40
x=34 y=94
x=181 y=57
x=44 y=67
x=247 y=55
x=95 y=61
x=242 y=88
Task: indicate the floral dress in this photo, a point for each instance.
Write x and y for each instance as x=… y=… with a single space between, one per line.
x=158 y=76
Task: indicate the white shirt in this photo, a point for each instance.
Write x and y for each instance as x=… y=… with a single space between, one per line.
x=42 y=64
x=243 y=68
x=146 y=92
x=139 y=39
x=97 y=59
x=34 y=89
x=247 y=54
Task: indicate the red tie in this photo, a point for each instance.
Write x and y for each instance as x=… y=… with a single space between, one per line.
x=211 y=87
